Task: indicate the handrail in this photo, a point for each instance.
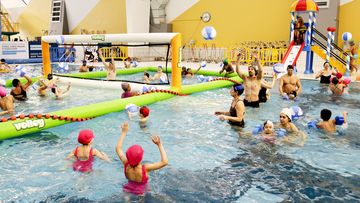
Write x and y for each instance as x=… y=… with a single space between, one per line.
x=333 y=44
x=331 y=53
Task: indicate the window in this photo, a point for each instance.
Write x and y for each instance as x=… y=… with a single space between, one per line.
x=323 y=3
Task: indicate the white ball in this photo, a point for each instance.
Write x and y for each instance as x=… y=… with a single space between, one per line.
x=163 y=79
x=145 y=89
x=208 y=33
x=131 y=108
x=2 y=82
x=296 y=112
x=200 y=78
x=346 y=36
x=63 y=67
x=279 y=68
x=21 y=70
x=221 y=64
x=60 y=39
x=203 y=64
x=135 y=63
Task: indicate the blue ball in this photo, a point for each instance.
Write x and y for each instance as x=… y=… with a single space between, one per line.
x=21 y=70
x=346 y=36
x=208 y=32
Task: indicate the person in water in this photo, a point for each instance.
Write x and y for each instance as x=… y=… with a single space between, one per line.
x=327 y=124
x=136 y=172
x=110 y=68
x=144 y=112
x=325 y=74
x=336 y=87
x=44 y=84
x=84 y=154
x=290 y=85
x=285 y=120
x=268 y=133
x=236 y=114
x=227 y=67
x=19 y=90
x=60 y=93
x=127 y=90
x=6 y=102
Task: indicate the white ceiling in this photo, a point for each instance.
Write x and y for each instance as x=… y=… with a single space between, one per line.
x=14 y=3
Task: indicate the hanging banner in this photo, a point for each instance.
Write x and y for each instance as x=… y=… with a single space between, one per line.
x=14 y=50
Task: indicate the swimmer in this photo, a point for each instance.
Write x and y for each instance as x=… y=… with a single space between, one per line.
x=290 y=86
x=84 y=154
x=60 y=93
x=136 y=172
x=235 y=116
x=6 y=102
x=327 y=124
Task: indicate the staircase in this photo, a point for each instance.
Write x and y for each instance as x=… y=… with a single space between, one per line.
x=7 y=27
x=337 y=55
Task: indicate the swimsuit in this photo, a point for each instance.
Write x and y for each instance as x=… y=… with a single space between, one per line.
x=137 y=188
x=325 y=79
x=83 y=165
x=255 y=104
x=233 y=113
x=126 y=95
x=22 y=96
x=262 y=95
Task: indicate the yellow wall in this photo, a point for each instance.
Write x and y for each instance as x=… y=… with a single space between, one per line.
x=108 y=15
x=349 y=16
x=35 y=18
x=237 y=20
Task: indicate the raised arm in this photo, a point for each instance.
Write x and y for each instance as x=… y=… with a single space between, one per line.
x=197 y=70
x=28 y=83
x=112 y=55
x=102 y=58
x=260 y=71
x=238 y=71
x=118 y=149
x=164 y=160
x=267 y=85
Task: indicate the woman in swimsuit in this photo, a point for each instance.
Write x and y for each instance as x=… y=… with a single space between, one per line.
x=325 y=74
x=19 y=90
x=135 y=171
x=235 y=116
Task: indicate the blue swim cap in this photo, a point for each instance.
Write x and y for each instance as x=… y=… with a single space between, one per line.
x=239 y=88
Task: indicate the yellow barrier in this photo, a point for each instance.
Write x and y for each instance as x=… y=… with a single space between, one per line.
x=120 y=52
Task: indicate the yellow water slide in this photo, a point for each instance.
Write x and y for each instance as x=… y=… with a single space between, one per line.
x=333 y=62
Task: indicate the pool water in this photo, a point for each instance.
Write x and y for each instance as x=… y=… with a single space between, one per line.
x=208 y=160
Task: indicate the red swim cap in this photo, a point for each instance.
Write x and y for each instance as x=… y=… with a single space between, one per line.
x=145 y=111
x=2 y=91
x=134 y=154
x=85 y=136
x=338 y=75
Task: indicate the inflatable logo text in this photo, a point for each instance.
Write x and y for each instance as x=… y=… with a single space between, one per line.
x=39 y=123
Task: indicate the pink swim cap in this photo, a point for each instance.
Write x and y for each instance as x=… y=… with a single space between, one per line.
x=85 y=136
x=2 y=92
x=134 y=155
